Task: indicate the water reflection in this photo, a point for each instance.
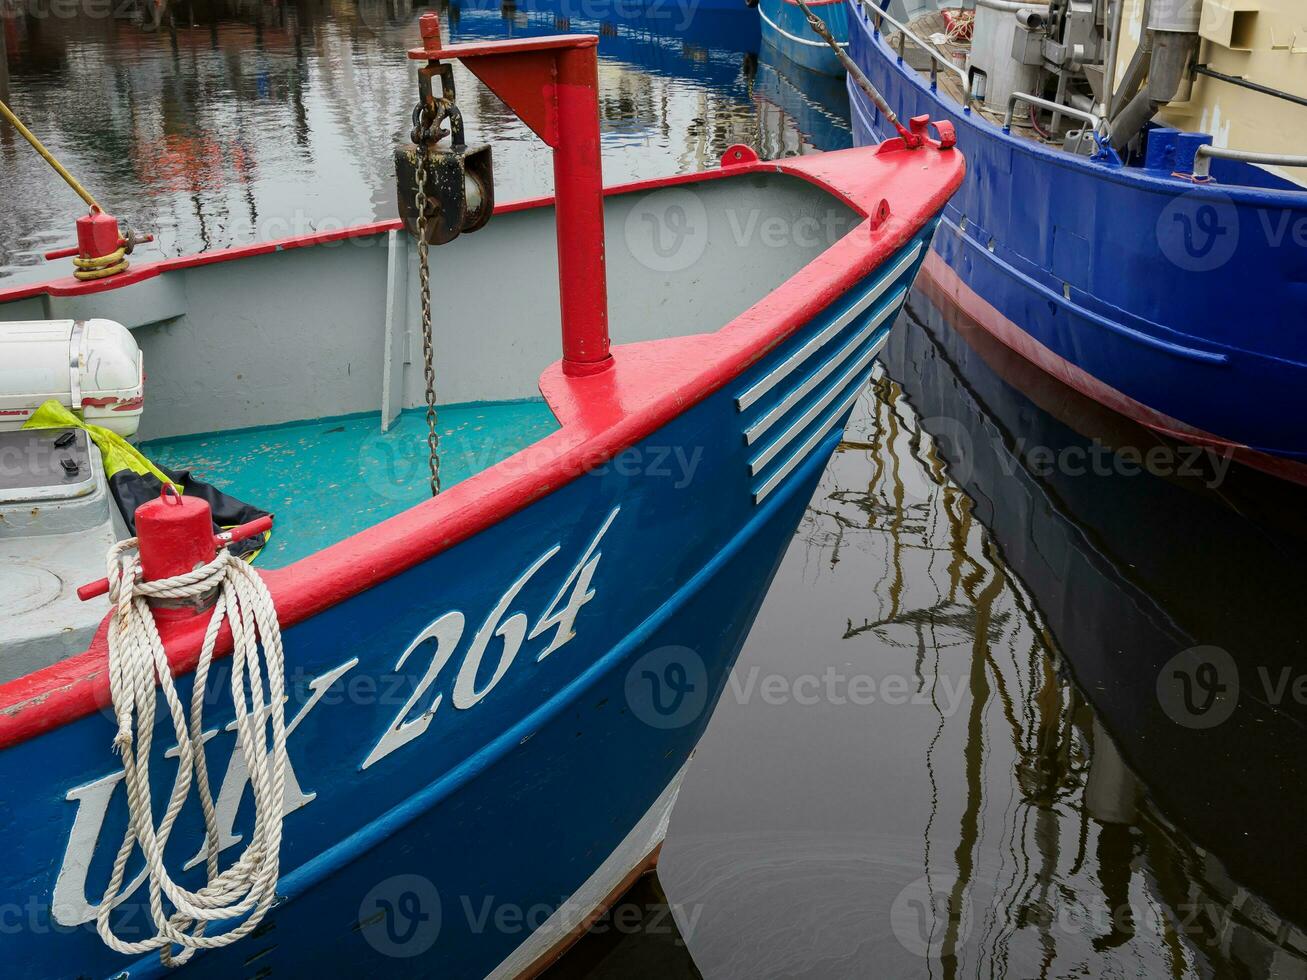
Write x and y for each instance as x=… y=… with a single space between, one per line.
x=216 y=122
x=970 y=763
x=637 y=939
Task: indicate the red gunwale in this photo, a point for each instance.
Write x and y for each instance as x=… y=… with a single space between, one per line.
x=600 y=415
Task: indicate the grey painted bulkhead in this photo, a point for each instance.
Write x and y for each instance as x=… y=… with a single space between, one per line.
x=333 y=329
x=301 y=334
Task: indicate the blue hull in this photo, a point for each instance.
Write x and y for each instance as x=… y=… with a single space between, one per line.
x=652 y=34
x=1166 y=301
x=786 y=29
x=451 y=793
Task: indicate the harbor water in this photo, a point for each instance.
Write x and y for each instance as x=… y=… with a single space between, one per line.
x=1028 y=695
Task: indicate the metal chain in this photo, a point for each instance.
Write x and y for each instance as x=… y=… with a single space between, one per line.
x=428 y=355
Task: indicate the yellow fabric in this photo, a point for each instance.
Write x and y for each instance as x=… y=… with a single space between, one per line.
x=118 y=453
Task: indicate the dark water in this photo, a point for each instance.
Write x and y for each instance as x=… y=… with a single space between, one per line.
x=1027 y=697
x=215 y=123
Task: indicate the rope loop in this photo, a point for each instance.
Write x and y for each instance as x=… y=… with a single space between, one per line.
x=101 y=267
x=138 y=665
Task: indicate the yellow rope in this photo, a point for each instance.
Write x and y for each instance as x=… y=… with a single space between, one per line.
x=27 y=134
x=99 y=268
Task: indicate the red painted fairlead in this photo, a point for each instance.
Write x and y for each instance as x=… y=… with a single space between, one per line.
x=552 y=84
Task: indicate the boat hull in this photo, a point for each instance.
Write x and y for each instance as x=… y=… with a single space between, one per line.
x=1163 y=300
x=494 y=734
x=785 y=28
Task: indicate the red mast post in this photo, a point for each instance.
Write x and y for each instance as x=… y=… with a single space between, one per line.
x=552 y=85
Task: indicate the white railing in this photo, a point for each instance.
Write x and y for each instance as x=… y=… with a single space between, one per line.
x=1203 y=159
x=1095 y=122
x=936 y=58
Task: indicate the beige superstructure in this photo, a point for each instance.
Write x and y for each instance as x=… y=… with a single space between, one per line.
x=1261 y=41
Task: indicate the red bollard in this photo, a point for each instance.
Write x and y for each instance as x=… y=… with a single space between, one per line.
x=176 y=534
x=97 y=235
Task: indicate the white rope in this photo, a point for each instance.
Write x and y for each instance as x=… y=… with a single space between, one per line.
x=136 y=663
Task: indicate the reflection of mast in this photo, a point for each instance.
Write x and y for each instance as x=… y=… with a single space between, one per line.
x=1088 y=865
x=969 y=829
x=4 y=62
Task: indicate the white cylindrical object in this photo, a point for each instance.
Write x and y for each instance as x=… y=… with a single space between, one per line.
x=992 y=35
x=90 y=366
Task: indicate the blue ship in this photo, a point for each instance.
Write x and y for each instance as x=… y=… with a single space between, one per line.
x=785 y=27
x=1149 y=266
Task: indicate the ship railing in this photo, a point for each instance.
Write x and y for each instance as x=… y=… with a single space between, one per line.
x=1094 y=121
x=1206 y=153
x=936 y=57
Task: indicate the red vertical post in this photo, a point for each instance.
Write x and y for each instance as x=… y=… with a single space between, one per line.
x=552 y=84
x=579 y=214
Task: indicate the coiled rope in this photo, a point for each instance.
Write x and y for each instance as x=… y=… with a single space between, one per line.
x=136 y=662
x=98 y=268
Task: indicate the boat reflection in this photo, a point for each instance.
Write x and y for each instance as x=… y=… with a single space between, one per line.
x=798 y=109
x=1013 y=795
x=639 y=938
x=1158 y=737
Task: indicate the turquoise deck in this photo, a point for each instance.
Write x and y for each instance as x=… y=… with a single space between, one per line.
x=326 y=479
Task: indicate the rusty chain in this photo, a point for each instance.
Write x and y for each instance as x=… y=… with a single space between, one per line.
x=428 y=354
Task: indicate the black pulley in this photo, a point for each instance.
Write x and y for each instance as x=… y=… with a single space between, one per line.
x=456 y=180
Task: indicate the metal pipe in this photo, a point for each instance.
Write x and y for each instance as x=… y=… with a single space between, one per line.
x=1010 y=6
x=1253 y=86
x=1131 y=119
x=1094 y=121
x=1203 y=158
x=579 y=212
x=1113 y=53
x=1133 y=80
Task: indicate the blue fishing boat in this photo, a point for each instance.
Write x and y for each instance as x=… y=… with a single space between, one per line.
x=663 y=37
x=441 y=721
x=1129 y=214
x=785 y=28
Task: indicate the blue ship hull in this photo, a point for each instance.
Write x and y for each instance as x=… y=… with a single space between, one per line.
x=470 y=738
x=1164 y=300
x=786 y=29
x=652 y=34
